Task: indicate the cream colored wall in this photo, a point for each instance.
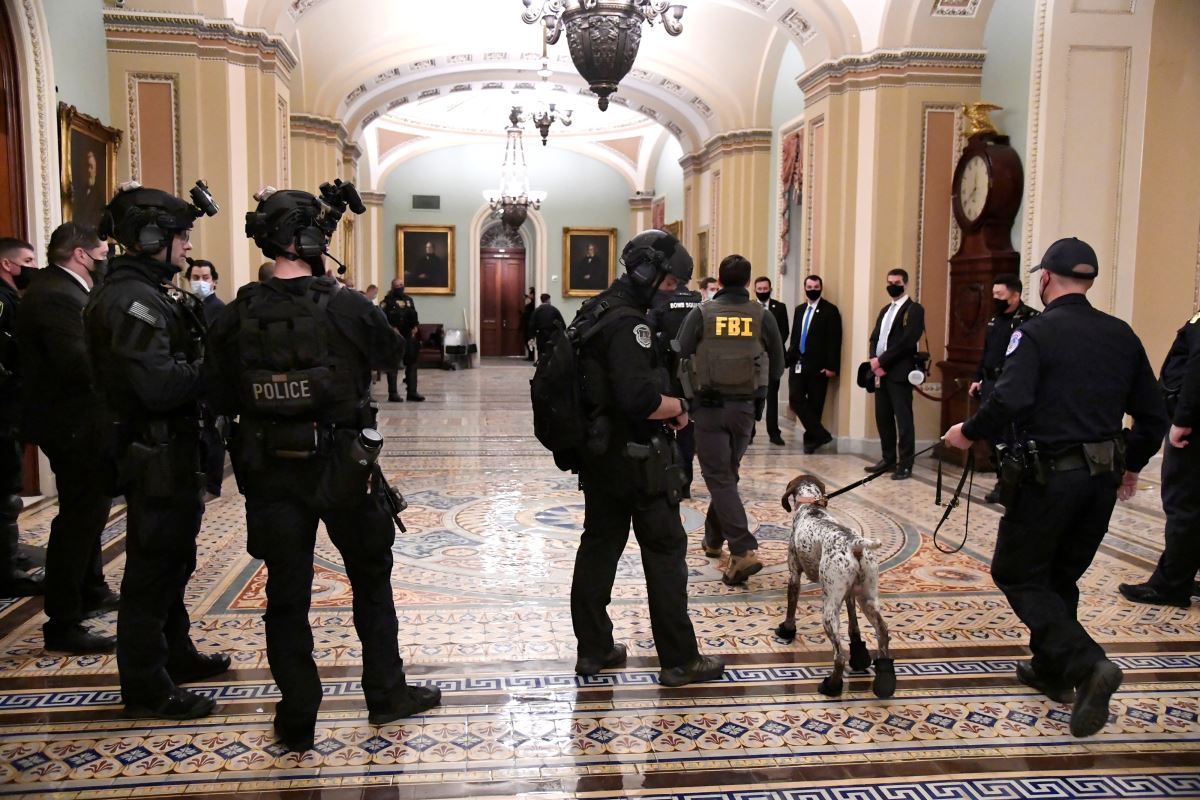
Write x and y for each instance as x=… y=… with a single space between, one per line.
x=234 y=145
x=1084 y=159
x=868 y=213
x=1167 y=289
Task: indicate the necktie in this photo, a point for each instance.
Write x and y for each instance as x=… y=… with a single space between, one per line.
x=885 y=330
x=804 y=328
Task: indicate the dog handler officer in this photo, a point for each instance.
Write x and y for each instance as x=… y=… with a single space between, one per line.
x=1069 y=378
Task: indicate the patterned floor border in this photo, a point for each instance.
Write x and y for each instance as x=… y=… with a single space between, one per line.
x=1098 y=786
x=247 y=691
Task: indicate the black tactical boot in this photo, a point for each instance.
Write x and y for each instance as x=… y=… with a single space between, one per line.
x=415 y=700
x=1059 y=691
x=702 y=668
x=76 y=639
x=587 y=666
x=178 y=705
x=199 y=667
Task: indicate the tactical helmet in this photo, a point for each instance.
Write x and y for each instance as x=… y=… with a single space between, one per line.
x=286 y=217
x=652 y=255
x=144 y=220
x=294 y=217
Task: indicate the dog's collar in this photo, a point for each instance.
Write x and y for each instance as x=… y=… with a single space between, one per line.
x=819 y=502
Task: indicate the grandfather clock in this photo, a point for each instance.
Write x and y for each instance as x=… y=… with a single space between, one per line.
x=987 y=187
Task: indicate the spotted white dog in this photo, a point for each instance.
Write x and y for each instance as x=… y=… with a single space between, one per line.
x=841 y=561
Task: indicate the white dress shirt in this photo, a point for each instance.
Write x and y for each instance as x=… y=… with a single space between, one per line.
x=885 y=329
x=78 y=279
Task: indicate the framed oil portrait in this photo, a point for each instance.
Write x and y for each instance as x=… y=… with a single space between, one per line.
x=425 y=257
x=675 y=229
x=589 y=260
x=701 y=254
x=88 y=160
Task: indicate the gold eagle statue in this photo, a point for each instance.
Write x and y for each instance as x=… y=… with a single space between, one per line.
x=977 y=118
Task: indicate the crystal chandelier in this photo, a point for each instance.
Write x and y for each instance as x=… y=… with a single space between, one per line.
x=548 y=113
x=513 y=199
x=604 y=35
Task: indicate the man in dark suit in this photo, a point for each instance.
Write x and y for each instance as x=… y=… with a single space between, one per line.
x=590 y=271
x=62 y=413
x=202 y=279
x=429 y=271
x=893 y=355
x=762 y=290
x=814 y=356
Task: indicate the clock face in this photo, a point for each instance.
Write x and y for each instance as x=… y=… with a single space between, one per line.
x=973 y=188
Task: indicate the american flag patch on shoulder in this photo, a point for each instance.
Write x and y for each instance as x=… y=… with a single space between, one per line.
x=139 y=310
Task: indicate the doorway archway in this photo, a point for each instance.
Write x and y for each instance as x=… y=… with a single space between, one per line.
x=503 y=277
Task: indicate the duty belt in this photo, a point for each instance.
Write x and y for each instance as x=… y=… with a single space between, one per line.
x=1072 y=459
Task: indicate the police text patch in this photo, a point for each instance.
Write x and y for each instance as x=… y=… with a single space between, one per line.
x=642 y=333
x=1013 y=343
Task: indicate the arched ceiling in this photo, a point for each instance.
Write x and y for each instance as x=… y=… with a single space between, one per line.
x=360 y=59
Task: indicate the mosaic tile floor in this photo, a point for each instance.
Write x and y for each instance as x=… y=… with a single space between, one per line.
x=481 y=584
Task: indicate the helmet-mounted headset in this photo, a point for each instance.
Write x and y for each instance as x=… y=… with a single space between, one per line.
x=144 y=220
x=293 y=217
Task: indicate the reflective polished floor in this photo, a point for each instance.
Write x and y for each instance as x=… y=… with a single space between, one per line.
x=481 y=585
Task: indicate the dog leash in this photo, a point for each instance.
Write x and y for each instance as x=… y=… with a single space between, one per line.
x=967 y=475
x=878 y=473
x=955 y=501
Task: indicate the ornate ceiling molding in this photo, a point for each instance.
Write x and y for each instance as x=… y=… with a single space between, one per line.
x=954 y=8
x=194 y=35
x=754 y=140
x=892 y=68
x=372 y=198
x=324 y=129
x=395 y=74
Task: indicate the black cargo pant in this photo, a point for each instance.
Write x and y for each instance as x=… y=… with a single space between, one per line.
x=1047 y=540
x=213 y=454
x=722 y=436
x=10 y=503
x=412 y=349
x=894 y=416
x=74 y=574
x=153 y=627
x=611 y=504
x=1176 y=571
x=282 y=528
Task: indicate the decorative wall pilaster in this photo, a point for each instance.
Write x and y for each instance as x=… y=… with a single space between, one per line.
x=873 y=202
x=165 y=71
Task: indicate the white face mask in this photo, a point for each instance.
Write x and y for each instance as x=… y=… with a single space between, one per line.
x=202 y=289
x=709 y=294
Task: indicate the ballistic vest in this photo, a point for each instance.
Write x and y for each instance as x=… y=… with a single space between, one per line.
x=730 y=361
x=289 y=366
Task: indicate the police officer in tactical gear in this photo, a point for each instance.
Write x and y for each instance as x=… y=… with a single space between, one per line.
x=1009 y=313
x=1174 y=580
x=732 y=354
x=629 y=471
x=17 y=265
x=1069 y=378
x=401 y=312
x=666 y=318
x=293 y=356
x=146 y=339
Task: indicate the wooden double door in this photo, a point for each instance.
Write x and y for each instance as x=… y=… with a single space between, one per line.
x=501 y=302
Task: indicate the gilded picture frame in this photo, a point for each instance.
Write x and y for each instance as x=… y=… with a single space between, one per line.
x=87 y=164
x=589 y=260
x=425 y=258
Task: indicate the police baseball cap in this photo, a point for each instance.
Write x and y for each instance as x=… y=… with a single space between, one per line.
x=1073 y=258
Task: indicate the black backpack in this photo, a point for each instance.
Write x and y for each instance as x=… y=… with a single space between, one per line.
x=560 y=416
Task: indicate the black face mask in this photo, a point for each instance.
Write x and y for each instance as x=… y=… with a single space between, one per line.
x=398 y=293
x=895 y=289
x=21 y=281
x=999 y=306
x=763 y=296
x=813 y=294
